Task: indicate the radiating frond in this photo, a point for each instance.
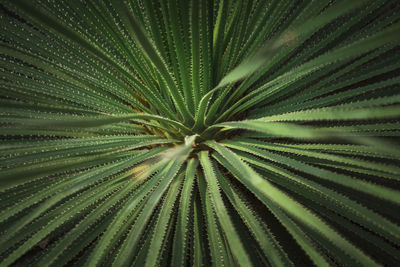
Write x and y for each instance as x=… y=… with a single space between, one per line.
x=198 y=133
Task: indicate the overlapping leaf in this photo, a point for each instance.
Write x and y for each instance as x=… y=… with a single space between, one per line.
x=238 y=133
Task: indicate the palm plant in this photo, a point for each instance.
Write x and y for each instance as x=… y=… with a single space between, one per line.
x=248 y=133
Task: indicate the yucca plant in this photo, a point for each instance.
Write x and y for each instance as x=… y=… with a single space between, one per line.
x=224 y=133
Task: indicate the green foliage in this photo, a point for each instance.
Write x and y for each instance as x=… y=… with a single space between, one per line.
x=176 y=133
